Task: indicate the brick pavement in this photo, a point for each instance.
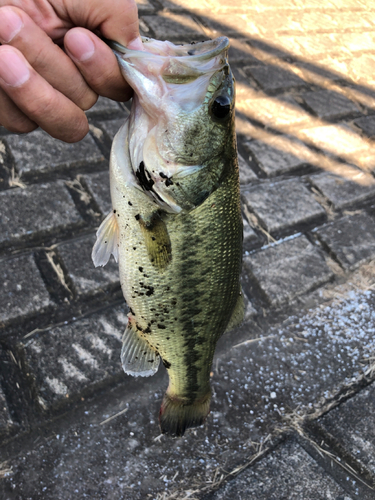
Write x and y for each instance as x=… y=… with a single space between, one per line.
x=293 y=405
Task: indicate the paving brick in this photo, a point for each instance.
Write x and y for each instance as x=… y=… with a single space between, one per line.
x=239 y=50
x=336 y=139
x=105 y=107
x=244 y=84
x=346 y=191
x=330 y=105
x=6 y=422
x=222 y=24
x=76 y=257
x=36 y=211
x=23 y=292
x=193 y=5
x=307 y=358
x=76 y=357
x=4 y=166
x=311 y=47
x=98 y=185
x=168 y=25
x=279 y=156
x=367 y=125
x=304 y=22
x=144 y=6
x=250 y=311
x=262 y=5
x=111 y=127
x=352 y=424
x=288 y=269
x=246 y=173
x=275 y=478
x=273 y=78
x=283 y=206
x=250 y=239
x=351 y=239
x=356 y=69
x=277 y=113
x=38 y=152
x=300 y=361
x=359 y=69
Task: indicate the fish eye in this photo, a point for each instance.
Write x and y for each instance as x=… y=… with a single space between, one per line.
x=220 y=108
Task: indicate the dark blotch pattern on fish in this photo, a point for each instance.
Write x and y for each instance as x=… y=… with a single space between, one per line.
x=144 y=177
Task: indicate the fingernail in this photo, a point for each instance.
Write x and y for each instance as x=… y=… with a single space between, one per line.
x=136 y=44
x=10 y=25
x=13 y=70
x=79 y=45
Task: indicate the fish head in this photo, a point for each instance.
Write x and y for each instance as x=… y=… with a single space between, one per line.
x=181 y=130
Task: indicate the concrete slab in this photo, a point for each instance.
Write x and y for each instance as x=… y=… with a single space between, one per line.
x=6 y=422
x=261 y=378
x=351 y=424
x=278 y=477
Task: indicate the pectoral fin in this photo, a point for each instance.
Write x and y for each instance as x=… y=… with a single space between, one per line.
x=107 y=241
x=157 y=241
x=237 y=314
x=138 y=358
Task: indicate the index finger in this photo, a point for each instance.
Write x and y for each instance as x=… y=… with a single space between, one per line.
x=115 y=19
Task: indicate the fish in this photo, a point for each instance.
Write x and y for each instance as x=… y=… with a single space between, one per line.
x=176 y=228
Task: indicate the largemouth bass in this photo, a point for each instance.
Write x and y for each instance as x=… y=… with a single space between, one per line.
x=176 y=225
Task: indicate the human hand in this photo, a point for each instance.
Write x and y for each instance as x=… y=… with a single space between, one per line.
x=40 y=84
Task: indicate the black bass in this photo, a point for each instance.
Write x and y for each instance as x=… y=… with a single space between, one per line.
x=176 y=225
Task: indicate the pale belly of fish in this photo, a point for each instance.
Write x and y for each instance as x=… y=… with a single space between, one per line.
x=176 y=226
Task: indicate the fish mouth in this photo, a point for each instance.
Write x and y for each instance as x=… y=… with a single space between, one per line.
x=194 y=52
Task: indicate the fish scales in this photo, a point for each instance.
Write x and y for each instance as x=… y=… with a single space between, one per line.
x=179 y=262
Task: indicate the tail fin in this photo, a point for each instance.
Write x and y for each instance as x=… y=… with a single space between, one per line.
x=176 y=416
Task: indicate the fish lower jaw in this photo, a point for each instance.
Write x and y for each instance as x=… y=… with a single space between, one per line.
x=178 y=413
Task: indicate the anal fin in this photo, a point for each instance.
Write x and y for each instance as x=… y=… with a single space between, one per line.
x=138 y=358
x=107 y=241
x=237 y=314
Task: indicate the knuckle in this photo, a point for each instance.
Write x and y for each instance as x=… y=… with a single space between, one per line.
x=42 y=105
x=86 y=100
